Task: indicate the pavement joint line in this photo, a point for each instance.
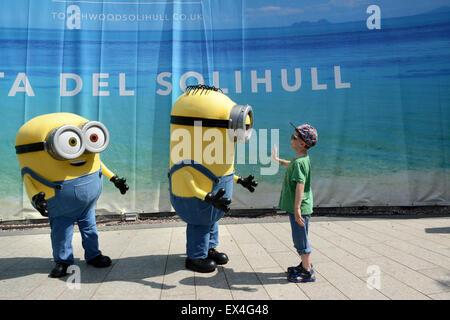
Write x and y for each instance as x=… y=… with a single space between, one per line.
x=248 y=262
x=380 y=230
x=228 y=284
x=406 y=284
x=410 y=254
x=345 y=268
x=413 y=254
x=393 y=276
x=110 y=269
x=165 y=267
x=387 y=243
x=351 y=231
x=298 y=284
x=227 y=221
x=281 y=267
x=345 y=248
x=425 y=238
x=225 y=274
x=359 y=277
x=368 y=229
x=331 y=284
x=393 y=253
x=195 y=285
x=413 y=231
x=167 y=263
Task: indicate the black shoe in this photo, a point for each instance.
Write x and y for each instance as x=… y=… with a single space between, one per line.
x=303 y=276
x=60 y=270
x=218 y=257
x=297 y=269
x=100 y=261
x=201 y=265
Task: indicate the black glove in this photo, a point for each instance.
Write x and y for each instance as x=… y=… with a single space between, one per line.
x=248 y=182
x=120 y=184
x=217 y=200
x=40 y=204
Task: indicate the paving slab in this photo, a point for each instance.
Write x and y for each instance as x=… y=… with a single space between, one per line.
x=412 y=257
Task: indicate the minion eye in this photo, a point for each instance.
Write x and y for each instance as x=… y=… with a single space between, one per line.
x=66 y=143
x=97 y=136
x=69 y=142
x=93 y=137
x=73 y=141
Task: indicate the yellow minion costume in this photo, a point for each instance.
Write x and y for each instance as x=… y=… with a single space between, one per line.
x=58 y=154
x=201 y=172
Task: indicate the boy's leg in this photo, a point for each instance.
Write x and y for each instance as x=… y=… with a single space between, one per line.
x=306 y=261
x=300 y=239
x=303 y=272
x=306 y=258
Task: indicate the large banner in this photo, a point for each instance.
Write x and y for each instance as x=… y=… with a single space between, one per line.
x=373 y=77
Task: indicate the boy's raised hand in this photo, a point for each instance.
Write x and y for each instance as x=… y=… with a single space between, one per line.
x=275 y=153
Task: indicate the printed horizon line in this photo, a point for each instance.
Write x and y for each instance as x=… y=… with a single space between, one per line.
x=126 y=2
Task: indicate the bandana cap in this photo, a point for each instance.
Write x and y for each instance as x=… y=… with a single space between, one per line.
x=307 y=133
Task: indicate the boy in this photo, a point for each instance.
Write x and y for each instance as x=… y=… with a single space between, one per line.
x=296 y=198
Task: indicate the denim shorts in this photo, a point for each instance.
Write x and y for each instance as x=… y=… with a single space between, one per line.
x=300 y=234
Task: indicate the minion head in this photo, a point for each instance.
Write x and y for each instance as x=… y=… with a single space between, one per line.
x=214 y=109
x=203 y=114
x=61 y=146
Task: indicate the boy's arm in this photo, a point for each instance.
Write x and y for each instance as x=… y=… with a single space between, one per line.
x=299 y=189
x=275 y=157
x=284 y=162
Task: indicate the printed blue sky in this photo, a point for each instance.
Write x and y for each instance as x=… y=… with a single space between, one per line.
x=226 y=14
x=287 y=12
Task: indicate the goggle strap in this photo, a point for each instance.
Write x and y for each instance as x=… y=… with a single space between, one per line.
x=32 y=147
x=190 y=121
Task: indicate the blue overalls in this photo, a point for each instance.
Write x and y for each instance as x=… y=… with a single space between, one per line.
x=202 y=232
x=74 y=201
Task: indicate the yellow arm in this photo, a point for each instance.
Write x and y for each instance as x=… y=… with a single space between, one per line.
x=108 y=173
x=32 y=189
x=192 y=186
x=235 y=178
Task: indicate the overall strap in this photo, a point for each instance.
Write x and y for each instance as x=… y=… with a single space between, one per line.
x=195 y=165
x=26 y=170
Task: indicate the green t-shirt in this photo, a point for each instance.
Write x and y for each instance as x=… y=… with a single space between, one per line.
x=299 y=170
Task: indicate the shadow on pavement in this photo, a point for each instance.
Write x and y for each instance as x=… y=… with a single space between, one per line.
x=140 y=269
x=438 y=230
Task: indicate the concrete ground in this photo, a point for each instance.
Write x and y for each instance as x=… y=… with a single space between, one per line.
x=354 y=258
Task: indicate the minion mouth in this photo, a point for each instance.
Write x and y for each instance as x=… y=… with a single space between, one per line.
x=77 y=163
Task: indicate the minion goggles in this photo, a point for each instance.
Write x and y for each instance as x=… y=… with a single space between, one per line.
x=69 y=142
x=238 y=130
